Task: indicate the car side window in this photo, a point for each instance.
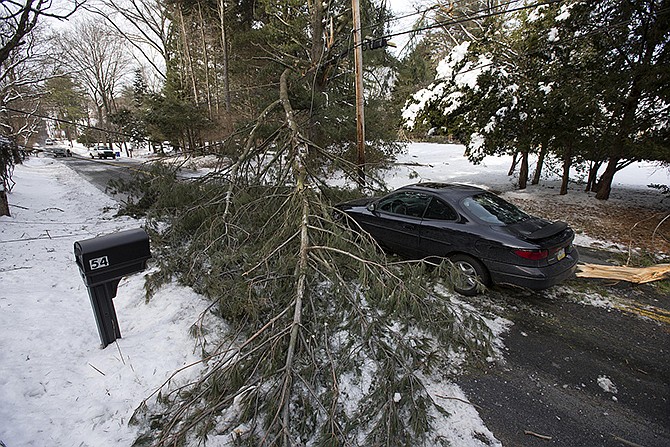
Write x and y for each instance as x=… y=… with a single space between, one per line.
x=394 y=204
x=440 y=211
x=405 y=203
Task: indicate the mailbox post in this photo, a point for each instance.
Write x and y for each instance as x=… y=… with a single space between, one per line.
x=103 y=261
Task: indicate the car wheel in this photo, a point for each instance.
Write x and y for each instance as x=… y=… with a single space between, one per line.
x=470 y=273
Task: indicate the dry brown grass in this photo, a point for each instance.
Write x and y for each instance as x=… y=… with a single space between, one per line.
x=637 y=227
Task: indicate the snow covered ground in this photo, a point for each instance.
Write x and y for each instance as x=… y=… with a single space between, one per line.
x=58 y=388
x=446 y=163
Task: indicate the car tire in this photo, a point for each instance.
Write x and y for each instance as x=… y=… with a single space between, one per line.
x=470 y=273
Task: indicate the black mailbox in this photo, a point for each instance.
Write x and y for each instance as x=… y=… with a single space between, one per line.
x=105 y=258
x=103 y=261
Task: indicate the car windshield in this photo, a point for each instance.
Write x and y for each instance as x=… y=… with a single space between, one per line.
x=494 y=210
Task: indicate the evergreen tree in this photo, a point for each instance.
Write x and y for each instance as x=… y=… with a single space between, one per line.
x=585 y=81
x=415 y=70
x=636 y=55
x=264 y=38
x=313 y=306
x=67 y=101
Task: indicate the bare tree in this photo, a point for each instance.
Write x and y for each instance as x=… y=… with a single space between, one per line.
x=23 y=69
x=99 y=59
x=145 y=26
x=187 y=59
x=17 y=20
x=21 y=78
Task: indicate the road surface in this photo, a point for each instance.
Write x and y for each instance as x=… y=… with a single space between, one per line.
x=101 y=172
x=578 y=374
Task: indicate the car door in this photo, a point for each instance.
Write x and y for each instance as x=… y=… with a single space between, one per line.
x=441 y=230
x=397 y=221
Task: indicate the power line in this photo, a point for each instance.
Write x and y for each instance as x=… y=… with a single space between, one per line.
x=407 y=16
x=116 y=132
x=199 y=151
x=487 y=11
x=423 y=12
x=71 y=123
x=45 y=238
x=469 y=19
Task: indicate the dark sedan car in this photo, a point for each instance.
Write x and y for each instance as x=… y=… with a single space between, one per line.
x=488 y=239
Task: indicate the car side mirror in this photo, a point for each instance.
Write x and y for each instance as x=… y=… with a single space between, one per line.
x=372 y=207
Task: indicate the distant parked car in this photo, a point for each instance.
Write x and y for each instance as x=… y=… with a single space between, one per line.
x=48 y=142
x=102 y=151
x=57 y=151
x=490 y=241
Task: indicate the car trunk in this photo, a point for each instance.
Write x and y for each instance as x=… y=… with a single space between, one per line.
x=553 y=237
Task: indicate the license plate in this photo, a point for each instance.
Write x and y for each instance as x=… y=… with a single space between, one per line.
x=560 y=254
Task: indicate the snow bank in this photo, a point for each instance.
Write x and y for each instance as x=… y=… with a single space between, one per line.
x=57 y=387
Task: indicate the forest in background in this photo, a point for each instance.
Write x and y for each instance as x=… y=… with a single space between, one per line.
x=583 y=82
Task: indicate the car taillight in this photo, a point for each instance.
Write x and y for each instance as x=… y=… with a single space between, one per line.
x=533 y=255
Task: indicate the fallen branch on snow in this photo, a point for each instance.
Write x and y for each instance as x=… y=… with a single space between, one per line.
x=14 y=269
x=637 y=275
x=537 y=435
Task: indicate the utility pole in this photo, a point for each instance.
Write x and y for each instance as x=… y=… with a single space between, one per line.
x=360 y=116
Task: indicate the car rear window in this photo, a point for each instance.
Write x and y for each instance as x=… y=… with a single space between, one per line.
x=494 y=210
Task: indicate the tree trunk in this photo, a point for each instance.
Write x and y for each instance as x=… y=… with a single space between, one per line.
x=605 y=182
x=317 y=67
x=523 y=170
x=513 y=167
x=316 y=52
x=594 y=167
x=18 y=157
x=626 y=128
x=301 y=151
x=186 y=55
x=4 y=205
x=224 y=48
x=205 y=52
x=540 y=164
x=567 y=162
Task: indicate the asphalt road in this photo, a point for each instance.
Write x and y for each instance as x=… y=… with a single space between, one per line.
x=574 y=374
x=101 y=172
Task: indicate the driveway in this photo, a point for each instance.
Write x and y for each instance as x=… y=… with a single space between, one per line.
x=586 y=364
